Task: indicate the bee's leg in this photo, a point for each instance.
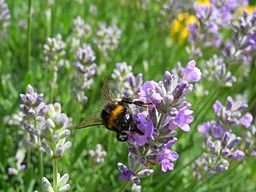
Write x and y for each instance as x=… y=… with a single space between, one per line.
x=122 y=136
x=138 y=131
x=134 y=128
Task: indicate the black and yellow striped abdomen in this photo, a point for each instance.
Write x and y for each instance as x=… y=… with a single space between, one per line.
x=111 y=114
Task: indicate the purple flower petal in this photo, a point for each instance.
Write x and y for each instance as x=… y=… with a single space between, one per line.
x=217 y=131
x=238 y=154
x=184 y=118
x=148 y=93
x=166 y=158
x=191 y=73
x=204 y=128
x=146 y=126
x=246 y=120
x=217 y=106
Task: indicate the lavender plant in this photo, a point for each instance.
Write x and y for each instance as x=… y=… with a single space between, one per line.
x=216 y=70
x=33 y=109
x=128 y=84
x=55 y=133
x=98 y=155
x=221 y=143
x=249 y=141
x=85 y=70
x=241 y=47
x=135 y=188
x=107 y=38
x=214 y=22
x=80 y=32
x=171 y=9
x=168 y=111
x=81 y=29
x=19 y=158
x=36 y=140
x=4 y=19
x=47 y=130
x=54 y=52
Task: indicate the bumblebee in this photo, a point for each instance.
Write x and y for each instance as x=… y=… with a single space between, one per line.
x=115 y=116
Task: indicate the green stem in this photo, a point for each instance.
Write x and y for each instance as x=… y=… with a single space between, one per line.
x=29 y=36
x=160 y=120
x=53 y=16
x=52 y=94
x=40 y=165
x=123 y=186
x=55 y=172
x=54 y=82
x=41 y=170
x=28 y=158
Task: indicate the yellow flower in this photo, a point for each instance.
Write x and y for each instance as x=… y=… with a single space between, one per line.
x=203 y=2
x=179 y=26
x=249 y=9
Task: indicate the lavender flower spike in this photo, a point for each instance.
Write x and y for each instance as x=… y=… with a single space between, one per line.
x=55 y=132
x=128 y=85
x=33 y=109
x=165 y=113
x=85 y=70
x=220 y=143
x=4 y=19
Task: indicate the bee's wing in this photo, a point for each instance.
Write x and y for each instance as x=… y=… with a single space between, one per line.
x=108 y=95
x=91 y=120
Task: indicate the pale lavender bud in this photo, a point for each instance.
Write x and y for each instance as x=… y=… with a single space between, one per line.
x=136 y=188
x=12 y=171
x=98 y=155
x=64 y=188
x=225 y=139
x=217 y=107
x=225 y=152
x=85 y=55
x=182 y=89
x=60 y=150
x=46 y=148
x=233 y=141
x=145 y=172
x=238 y=154
x=63 y=180
x=47 y=185
x=222 y=165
